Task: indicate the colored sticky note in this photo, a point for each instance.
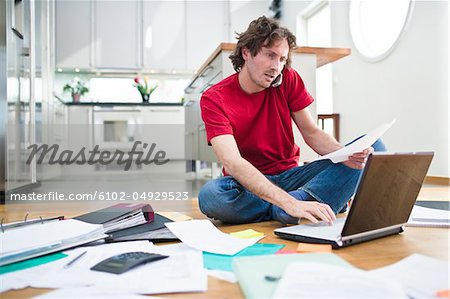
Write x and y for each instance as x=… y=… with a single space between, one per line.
x=31 y=262
x=443 y=294
x=247 y=234
x=224 y=262
x=306 y=247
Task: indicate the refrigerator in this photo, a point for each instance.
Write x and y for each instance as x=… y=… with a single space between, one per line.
x=17 y=96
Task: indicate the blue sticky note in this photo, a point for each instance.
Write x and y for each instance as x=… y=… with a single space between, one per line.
x=224 y=262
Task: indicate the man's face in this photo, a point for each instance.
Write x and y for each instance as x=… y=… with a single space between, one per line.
x=262 y=69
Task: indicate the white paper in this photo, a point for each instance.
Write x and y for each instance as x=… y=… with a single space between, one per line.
x=315 y=280
x=421 y=216
x=359 y=145
x=181 y=272
x=223 y=275
x=204 y=236
x=89 y=293
x=40 y=274
x=420 y=275
x=38 y=235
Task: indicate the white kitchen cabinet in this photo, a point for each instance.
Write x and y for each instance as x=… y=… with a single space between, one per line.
x=79 y=127
x=192 y=119
x=205 y=28
x=73 y=34
x=117 y=31
x=140 y=34
x=164 y=35
x=164 y=126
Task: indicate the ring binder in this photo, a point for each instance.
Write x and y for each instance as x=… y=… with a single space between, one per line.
x=26 y=222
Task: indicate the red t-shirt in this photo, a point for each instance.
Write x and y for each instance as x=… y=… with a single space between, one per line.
x=261 y=123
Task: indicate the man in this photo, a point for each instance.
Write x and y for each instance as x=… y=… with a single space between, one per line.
x=248 y=119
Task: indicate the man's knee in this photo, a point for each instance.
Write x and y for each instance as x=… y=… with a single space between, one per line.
x=206 y=196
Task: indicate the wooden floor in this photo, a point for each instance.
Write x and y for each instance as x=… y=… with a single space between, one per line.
x=433 y=242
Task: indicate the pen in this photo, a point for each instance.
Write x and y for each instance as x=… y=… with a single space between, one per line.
x=74 y=260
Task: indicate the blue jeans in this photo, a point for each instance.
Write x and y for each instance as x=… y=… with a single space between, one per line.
x=226 y=199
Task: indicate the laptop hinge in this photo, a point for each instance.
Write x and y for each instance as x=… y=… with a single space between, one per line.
x=364 y=234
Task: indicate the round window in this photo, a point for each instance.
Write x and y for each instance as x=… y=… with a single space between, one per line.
x=376 y=25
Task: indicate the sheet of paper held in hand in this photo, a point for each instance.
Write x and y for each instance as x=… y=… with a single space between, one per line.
x=358 y=146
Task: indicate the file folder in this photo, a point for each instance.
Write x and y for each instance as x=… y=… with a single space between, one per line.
x=25 y=242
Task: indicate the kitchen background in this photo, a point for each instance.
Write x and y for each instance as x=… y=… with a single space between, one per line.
x=44 y=44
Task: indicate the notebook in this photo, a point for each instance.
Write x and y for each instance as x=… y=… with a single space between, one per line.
x=258 y=276
x=154 y=231
x=385 y=196
x=120 y=216
x=25 y=242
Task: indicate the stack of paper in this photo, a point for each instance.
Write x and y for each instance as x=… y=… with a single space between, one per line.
x=120 y=216
x=21 y=243
x=311 y=280
x=153 y=231
x=258 y=275
x=181 y=272
x=427 y=217
x=421 y=276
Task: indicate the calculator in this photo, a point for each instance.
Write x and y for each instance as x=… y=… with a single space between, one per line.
x=123 y=262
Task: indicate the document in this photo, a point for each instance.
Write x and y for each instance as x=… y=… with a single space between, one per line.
x=258 y=276
x=359 y=145
x=90 y=293
x=307 y=280
x=181 y=272
x=420 y=275
x=29 y=241
x=204 y=236
x=427 y=217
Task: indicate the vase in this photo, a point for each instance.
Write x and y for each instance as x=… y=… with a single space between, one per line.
x=145 y=97
x=76 y=97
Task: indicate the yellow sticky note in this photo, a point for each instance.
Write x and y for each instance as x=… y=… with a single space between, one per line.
x=246 y=234
x=306 y=247
x=175 y=216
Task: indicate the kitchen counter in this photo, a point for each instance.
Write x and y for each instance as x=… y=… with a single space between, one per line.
x=109 y=104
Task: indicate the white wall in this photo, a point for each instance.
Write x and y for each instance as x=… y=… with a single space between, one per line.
x=410 y=85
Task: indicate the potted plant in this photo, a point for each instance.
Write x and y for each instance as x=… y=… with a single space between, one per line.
x=77 y=88
x=144 y=88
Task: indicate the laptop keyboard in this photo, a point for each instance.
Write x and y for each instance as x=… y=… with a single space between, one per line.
x=320 y=230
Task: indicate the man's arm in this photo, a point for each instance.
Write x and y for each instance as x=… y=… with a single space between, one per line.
x=322 y=143
x=253 y=180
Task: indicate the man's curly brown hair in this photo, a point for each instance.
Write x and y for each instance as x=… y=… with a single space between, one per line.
x=262 y=32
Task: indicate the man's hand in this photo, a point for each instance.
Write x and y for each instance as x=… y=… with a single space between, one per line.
x=312 y=210
x=358 y=160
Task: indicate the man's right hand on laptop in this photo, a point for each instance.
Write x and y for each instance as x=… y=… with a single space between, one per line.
x=312 y=210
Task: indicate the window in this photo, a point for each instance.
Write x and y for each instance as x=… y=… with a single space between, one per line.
x=123 y=90
x=314 y=30
x=376 y=25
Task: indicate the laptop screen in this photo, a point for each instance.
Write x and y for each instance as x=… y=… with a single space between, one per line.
x=387 y=191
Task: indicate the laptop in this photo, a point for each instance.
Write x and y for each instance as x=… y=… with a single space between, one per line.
x=385 y=196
